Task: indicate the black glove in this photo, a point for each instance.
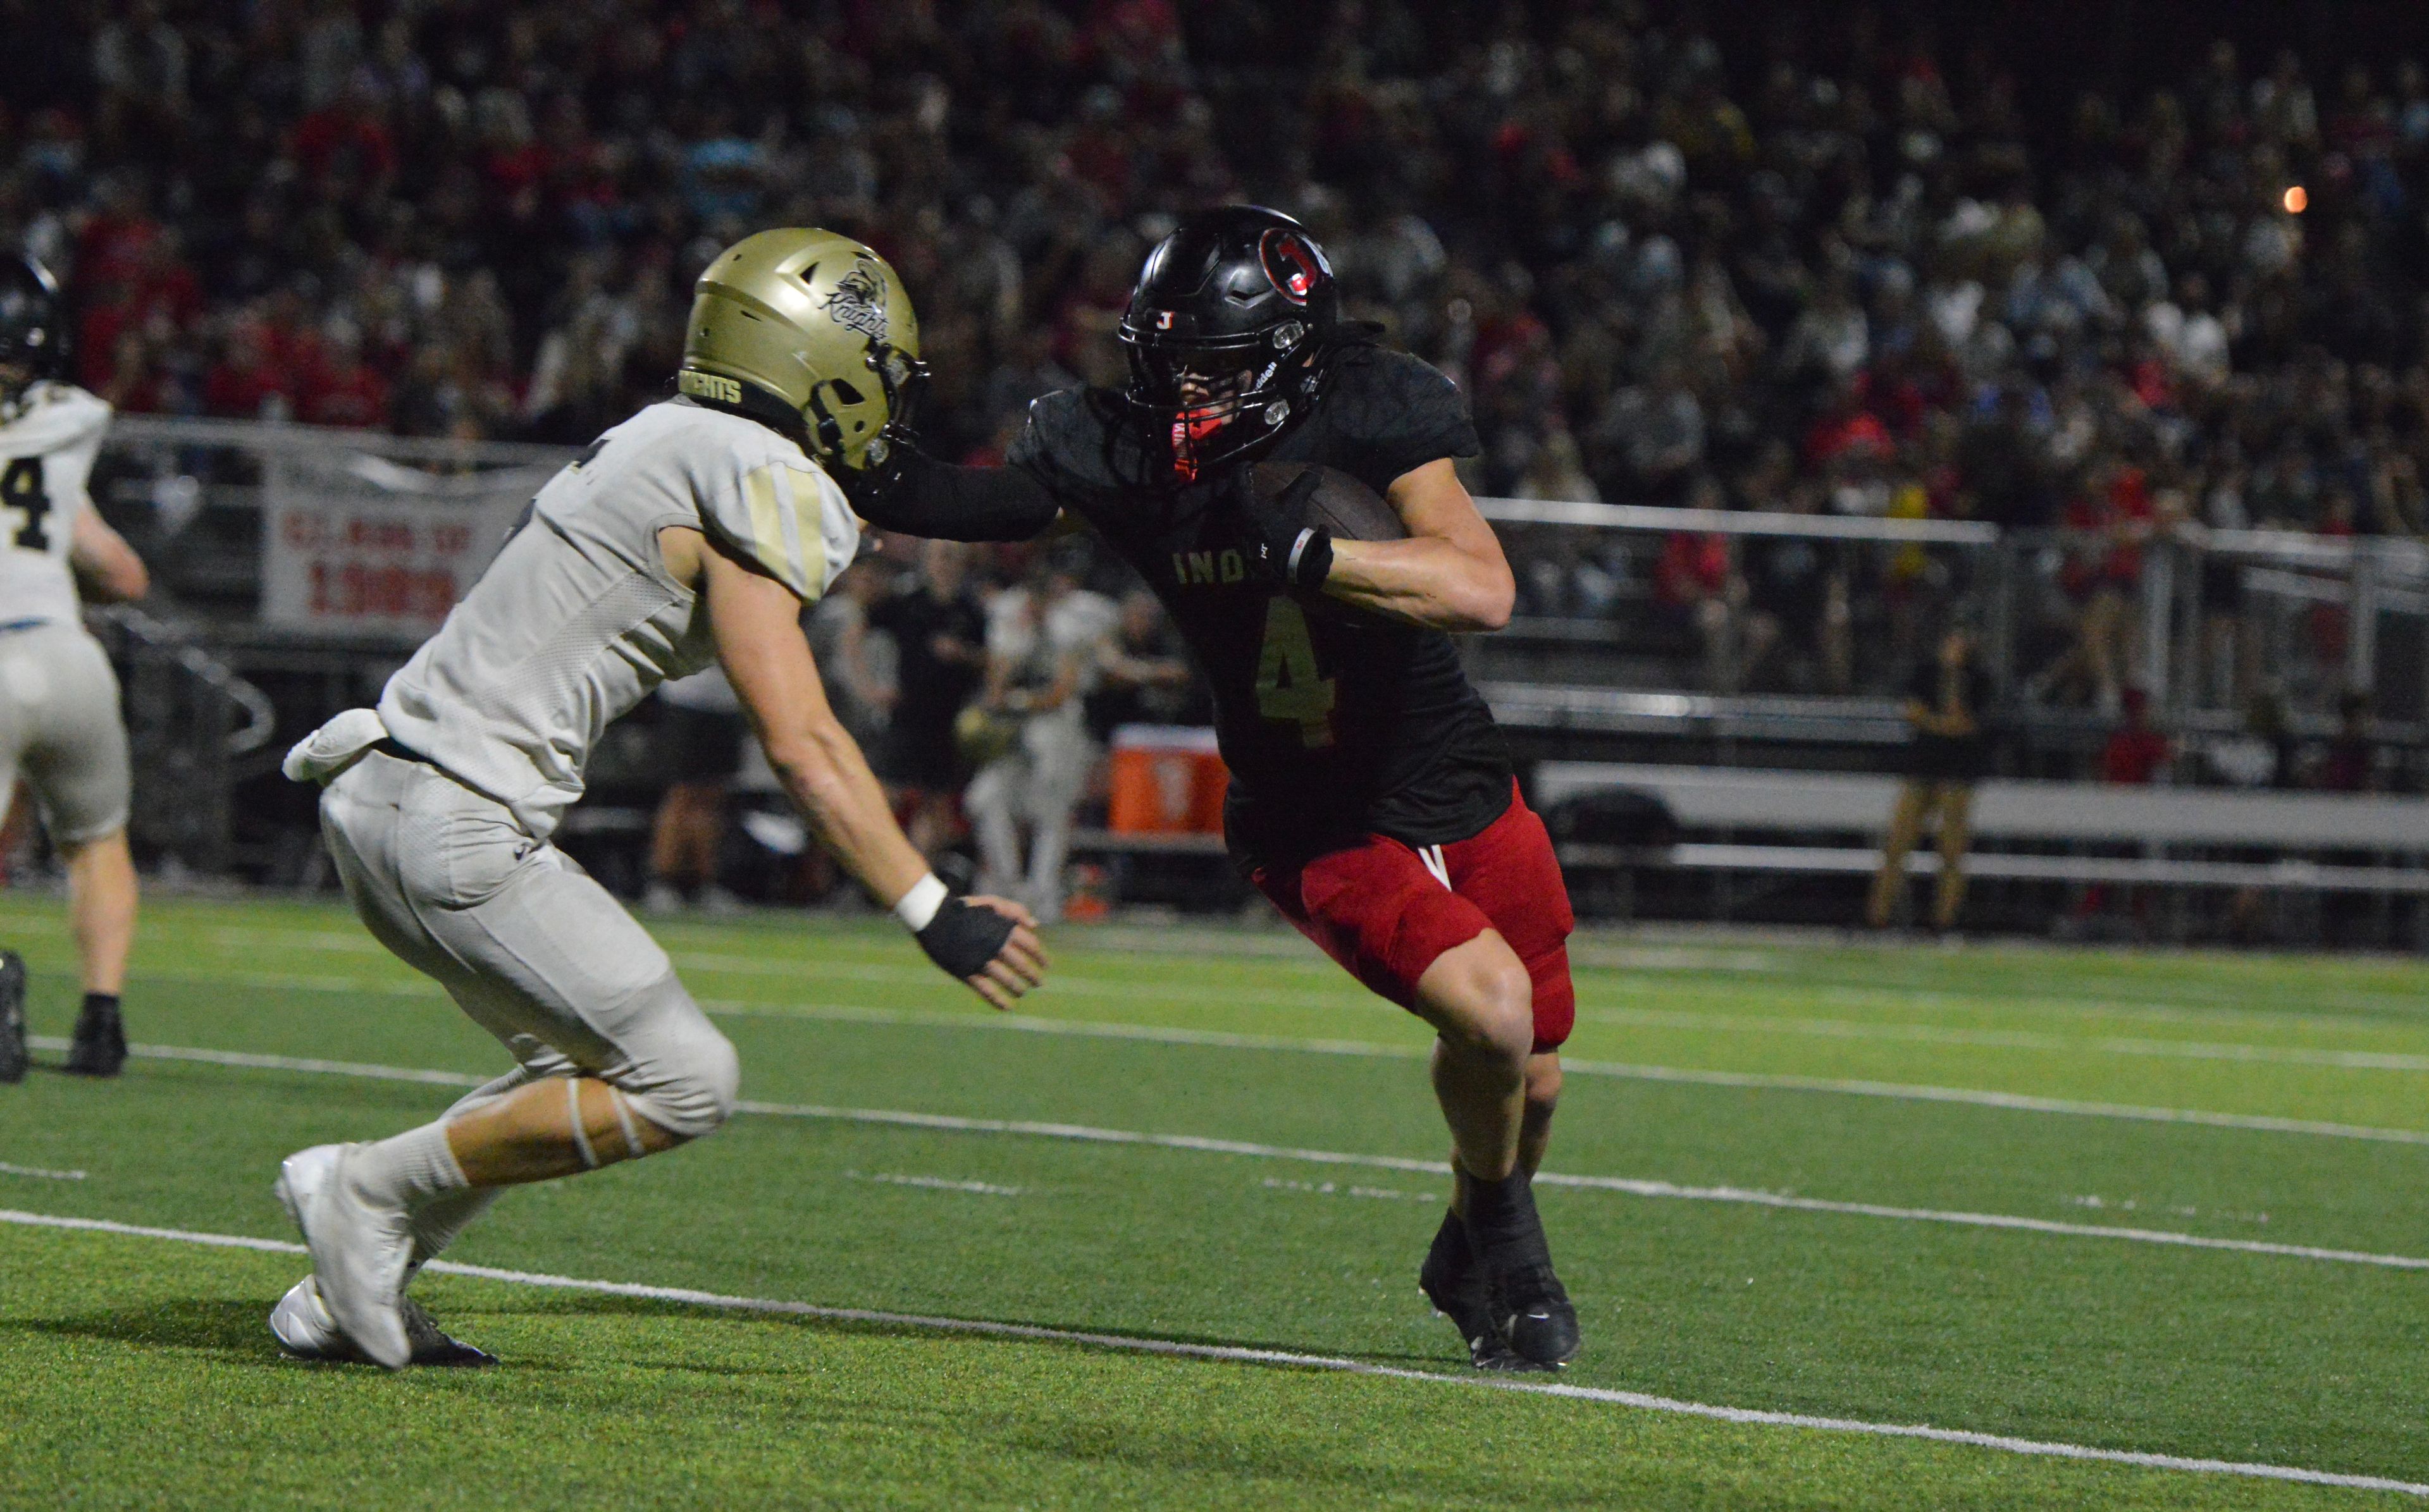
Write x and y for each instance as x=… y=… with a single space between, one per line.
x=964 y=937
x=868 y=486
x=1285 y=545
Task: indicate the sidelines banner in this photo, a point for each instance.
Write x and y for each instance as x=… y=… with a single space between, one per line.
x=353 y=541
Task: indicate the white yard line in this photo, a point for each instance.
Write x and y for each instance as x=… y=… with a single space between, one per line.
x=1756 y=1080
x=987 y=1188
x=1774 y=1081
x=2140 y=1047
x=39 y=1173
x=686 y=1296
x=2004 y=1039
x=1083 y=1133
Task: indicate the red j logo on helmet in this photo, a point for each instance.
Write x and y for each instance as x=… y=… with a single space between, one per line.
x=1291 y=262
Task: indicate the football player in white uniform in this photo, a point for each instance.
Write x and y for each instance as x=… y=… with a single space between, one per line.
x=59 y=723
x=693 y=532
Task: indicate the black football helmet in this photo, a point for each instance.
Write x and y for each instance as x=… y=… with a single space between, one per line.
x=33 y=326
x=1227 y=334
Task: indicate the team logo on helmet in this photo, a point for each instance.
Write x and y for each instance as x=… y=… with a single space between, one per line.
x=1291 y=262
x=858 y=303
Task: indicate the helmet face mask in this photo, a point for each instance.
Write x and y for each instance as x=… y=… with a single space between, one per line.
x=1225 y=337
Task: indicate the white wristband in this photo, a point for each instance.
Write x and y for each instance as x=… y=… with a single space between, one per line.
x=917 y=908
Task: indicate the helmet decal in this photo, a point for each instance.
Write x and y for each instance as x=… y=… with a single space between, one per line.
x=1292 y=262
x=1228 y=332
x=858 y=303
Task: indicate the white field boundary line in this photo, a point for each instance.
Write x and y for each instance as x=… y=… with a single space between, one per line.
x=1833 y=1028
x=1645 y=1018
x=1239 y=1354
x=1757 y=1080
x=40 y=1173
x=1217 y=1038
x=1068 y=984
x=1204 y=1144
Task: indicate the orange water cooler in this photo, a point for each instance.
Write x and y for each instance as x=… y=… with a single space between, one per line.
x=1166 y=780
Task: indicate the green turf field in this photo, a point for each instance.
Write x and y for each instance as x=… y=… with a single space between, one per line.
x=1961 y=1189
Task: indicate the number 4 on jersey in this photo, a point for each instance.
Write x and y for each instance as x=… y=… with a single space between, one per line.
x=21 y=496
x=1290 y=686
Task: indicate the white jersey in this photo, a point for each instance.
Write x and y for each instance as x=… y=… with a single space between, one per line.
x=46 y=462
x=578 y=619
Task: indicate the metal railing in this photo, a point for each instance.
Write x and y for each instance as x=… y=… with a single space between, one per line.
x=2223 y=630
x=194 y=730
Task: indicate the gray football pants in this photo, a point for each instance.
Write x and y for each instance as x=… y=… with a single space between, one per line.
x=59 y=727
x=525 y=942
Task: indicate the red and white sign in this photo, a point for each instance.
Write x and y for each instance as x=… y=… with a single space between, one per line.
x=355 y=559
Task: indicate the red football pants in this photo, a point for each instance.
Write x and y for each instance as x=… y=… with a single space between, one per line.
x=1386 y=910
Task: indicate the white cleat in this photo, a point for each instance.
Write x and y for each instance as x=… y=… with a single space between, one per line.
x=302 y=1324
x=359 y=1252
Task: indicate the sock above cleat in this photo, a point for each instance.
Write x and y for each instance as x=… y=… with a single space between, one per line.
x=1531 y=1305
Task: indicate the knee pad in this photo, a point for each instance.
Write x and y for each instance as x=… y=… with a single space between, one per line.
x=683 y=1075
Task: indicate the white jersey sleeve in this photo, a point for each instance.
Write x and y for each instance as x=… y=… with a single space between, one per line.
x=782 y=512
x=47 y=457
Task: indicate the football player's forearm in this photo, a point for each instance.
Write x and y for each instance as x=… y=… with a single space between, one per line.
x=1426 y=582
x=828 y=779
x=944 y=502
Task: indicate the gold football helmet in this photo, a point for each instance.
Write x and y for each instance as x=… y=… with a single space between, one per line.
x=812 y=332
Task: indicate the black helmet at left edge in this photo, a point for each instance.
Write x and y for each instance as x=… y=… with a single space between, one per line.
x=33 y=326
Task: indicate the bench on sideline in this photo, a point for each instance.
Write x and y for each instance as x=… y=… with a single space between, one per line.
x=2154 y=821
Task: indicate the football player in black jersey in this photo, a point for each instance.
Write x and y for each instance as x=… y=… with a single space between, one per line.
x=1372 y=798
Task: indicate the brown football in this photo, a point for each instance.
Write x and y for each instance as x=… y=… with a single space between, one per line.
x=1342 y=504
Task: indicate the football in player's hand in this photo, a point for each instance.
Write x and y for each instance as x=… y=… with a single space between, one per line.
x=1342 y=504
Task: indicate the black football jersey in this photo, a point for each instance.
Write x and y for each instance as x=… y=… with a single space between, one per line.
x=1335 y=722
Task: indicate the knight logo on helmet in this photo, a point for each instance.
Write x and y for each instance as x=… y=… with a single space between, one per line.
x=858 y=302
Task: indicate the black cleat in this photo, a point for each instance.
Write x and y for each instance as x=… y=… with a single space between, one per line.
x=100 y=1045
x=1451 y=1281
x=1530 y=1308
x=13 y=1016
x=1537 y=1318
x=433 y=1346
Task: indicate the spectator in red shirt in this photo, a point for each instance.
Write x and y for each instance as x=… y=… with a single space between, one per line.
x=243 y=384
x=342 y=389
x=2136 y=754
x=2351 y=766
x=345 y=149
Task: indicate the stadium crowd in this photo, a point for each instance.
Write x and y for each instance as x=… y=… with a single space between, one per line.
x=1841 y=270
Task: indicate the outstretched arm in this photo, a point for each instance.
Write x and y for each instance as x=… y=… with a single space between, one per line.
x=944 y=503
x=1449 y=574
x=756 y=624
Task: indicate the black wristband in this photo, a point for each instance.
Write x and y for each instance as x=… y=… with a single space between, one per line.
x=964 y=937
x=1311 y=559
